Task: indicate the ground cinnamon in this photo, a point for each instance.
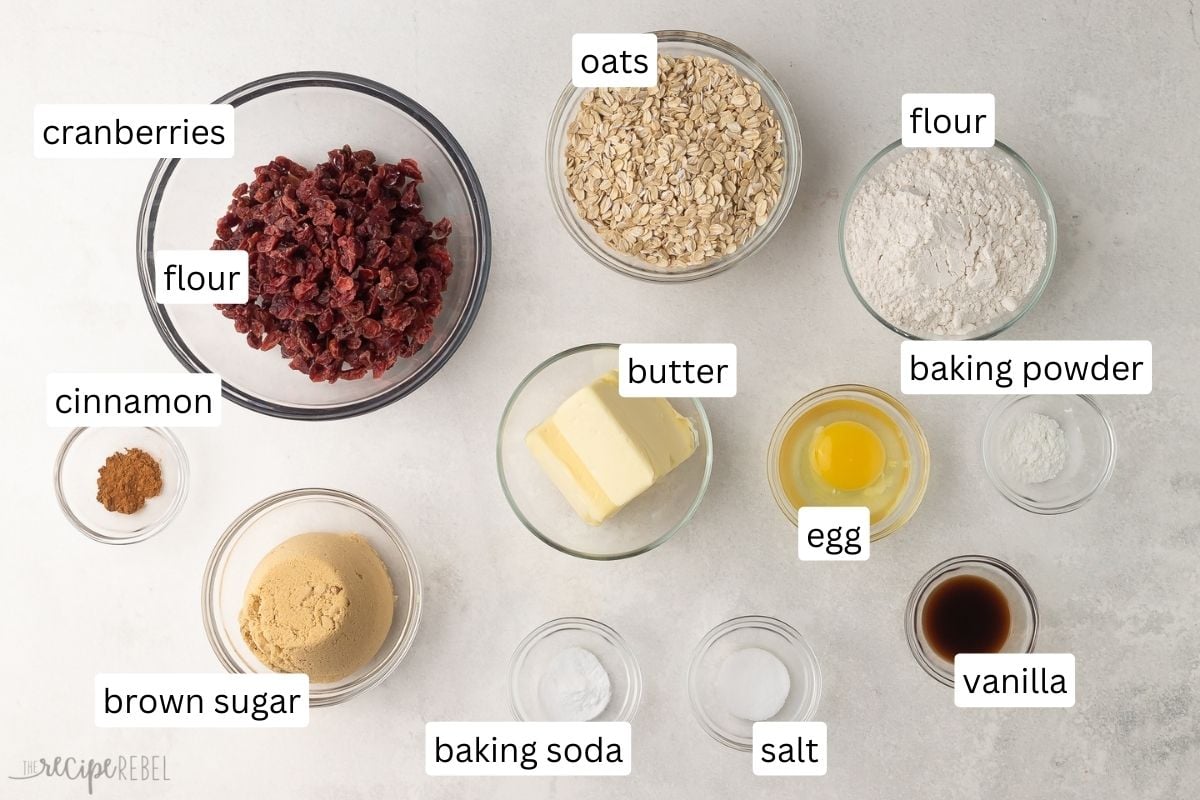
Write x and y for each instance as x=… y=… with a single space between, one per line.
x=127 y=480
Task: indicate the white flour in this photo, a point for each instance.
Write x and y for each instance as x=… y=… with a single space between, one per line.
x=1034 y=449
x=945 y=241
x=574 y=687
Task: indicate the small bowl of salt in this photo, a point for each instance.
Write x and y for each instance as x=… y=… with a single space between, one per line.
x=1049 y=454
x=752 y=669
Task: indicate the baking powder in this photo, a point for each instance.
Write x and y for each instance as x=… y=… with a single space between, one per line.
x=1034 y=449
x=945 y=241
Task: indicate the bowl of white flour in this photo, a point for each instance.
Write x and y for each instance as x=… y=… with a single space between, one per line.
x=948 y=243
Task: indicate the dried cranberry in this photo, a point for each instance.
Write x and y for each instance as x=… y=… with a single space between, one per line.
x=346 y=274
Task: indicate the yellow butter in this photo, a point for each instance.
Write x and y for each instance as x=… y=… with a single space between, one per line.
x=568 y=473
x=602 y=450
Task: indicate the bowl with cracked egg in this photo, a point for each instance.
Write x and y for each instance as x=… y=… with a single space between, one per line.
x=681 y=181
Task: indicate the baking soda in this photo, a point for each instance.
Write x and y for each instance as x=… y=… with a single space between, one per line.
x=575 y=687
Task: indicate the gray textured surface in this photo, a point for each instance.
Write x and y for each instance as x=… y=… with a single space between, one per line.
x=1100 y=97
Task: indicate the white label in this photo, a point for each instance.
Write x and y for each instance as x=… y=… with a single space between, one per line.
x=505 y=749
x=614 y=59
x=118 y=400
x=790 y=748
x=677 y=370
x=201 y=700
x=835 y=533
x=201 y=277
x=1014 y=680
x=198 y=130
x=1036 y=367
x=948 y=120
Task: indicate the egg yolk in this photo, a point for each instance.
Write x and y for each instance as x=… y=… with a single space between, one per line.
x=847 y=455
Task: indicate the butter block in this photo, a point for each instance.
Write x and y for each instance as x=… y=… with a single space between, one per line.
x=569 y=474
x=602 y=450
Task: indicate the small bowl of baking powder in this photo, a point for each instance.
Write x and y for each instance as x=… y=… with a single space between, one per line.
x=1049 y=454
x=947 y=243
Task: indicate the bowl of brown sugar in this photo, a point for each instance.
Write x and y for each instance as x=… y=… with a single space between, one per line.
x=120 y=485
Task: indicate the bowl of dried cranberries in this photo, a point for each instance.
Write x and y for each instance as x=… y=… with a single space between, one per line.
x=367 y=238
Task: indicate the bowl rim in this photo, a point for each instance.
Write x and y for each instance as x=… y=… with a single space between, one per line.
x=789 y=126
x=144 y=533
x=480 y=223
x=1015 y=497
x=774 y=625
x=912 y=625
x=512 y=503
x=919 y=445
x=213 y=627
x=1041 y=196
x=633 y=670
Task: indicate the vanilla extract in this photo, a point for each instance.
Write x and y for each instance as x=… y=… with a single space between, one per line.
x=966 y=614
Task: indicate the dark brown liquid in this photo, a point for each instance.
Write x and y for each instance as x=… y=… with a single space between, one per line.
x=966 y=614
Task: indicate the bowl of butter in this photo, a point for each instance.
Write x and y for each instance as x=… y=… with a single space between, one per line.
x=595 y=474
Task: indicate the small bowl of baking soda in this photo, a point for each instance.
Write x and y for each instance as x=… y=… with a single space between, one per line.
x=947 y=243
x=574 y=669
x=1049 y=454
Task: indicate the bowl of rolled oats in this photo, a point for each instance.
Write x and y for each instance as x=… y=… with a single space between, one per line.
x=682 y=180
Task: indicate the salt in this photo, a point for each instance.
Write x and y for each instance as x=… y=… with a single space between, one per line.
x=753 y=684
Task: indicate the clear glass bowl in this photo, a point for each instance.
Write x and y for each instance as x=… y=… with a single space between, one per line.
x=1091 y=452
x=914 y=438
x=539 y=647
x=76 y=471
x=677 y=43
x=767 y=633
x=647 y=521
x=892 y=153
x=303 y=115
x=271 y=521
x=1022 y=606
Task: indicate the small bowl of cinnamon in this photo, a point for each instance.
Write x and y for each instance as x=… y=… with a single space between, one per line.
x=121 y=485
